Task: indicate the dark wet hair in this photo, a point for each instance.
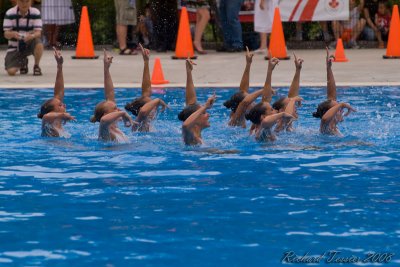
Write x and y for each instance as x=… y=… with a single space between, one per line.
x=98 y=112
x=135 y=105
x=46 y=107
x=234 y=101
x=254 y=115
x=187 y=111
x=278 y=104
x=322 y=109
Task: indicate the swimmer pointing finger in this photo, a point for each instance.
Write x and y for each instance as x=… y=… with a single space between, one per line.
x=53 y=111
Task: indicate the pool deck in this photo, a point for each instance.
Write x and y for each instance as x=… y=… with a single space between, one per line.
x=365 y=67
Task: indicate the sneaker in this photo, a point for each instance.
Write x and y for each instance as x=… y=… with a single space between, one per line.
x=332 y=45
x=353 y=44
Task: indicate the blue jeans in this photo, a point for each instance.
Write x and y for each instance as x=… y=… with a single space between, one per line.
x=231 y=27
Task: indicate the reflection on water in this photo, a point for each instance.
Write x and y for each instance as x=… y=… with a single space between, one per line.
x=233 y=202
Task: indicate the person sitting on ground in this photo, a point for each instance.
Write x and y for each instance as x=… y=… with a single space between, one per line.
x=107 y=112
x=281 y=104
x=242 y=101
x=330 y=111
x=370 y=31
x=53 y=112
x=23 y=29
x=194 y=116
x=382 y=21
x=350 y=30
x=145 y=108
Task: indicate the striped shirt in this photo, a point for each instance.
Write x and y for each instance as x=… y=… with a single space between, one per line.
x=13 y=21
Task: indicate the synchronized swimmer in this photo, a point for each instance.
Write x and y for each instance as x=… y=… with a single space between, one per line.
x=267 y=120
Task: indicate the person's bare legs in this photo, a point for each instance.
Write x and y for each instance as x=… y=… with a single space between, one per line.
x=357 y=29
x=49 y=30
x=122 y=32
x=203 y=16
x=55 y=35
x=337 y=29
x=37 y=53
x=263 y=40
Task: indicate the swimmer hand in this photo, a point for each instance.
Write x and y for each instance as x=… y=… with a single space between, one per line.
x=329 y=58
x=107 y=59
x=128 y=122
x=189 y=64
x=164 y=106
x=272 y=62
x=210 y=101
x=349 y=109
x=57 y=55
x=298 y=100
x=249 y=56
x=67 y=117
x=298 y=62
x=145 y=53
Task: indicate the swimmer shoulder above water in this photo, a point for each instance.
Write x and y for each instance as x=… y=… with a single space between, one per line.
x=145 y=108
x=330 y=111
x=194 y=116
x=107 y=112
x=53 y=111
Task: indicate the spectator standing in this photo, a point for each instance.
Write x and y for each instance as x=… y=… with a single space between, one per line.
x=23 y=28
x=126 y=16
x=202 y=18
x=164 y=13
x=56 y=13
x=263 y=18
x=231 y=27
x=145 y=27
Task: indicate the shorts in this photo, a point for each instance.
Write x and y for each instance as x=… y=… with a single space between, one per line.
x=15 y=58
x=126 y=15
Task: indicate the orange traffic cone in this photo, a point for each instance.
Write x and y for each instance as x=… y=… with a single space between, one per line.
x=339 y=53
x=158 y=76
x=277 y=45
x=393 y=46
x=184 y=45
x=84 y=47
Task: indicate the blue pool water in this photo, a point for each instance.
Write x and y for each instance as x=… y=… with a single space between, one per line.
x=233 y=202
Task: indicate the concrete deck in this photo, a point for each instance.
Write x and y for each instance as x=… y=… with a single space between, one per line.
x=365 y=67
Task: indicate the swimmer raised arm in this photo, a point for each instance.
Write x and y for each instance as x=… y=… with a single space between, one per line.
x=190 y=96
x=330 y=79
x=146 y=82
x=295 y=85
x=108 y=83
x=268 y=91
x=59 y=84
x=245 y=82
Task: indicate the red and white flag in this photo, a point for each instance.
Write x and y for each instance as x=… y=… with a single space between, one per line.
x=314 y=10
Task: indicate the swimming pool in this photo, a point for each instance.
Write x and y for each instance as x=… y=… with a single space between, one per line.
x=233 y=202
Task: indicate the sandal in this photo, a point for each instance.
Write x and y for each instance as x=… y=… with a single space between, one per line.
x=127 y=52
x=24 y=66
x=37 y=71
